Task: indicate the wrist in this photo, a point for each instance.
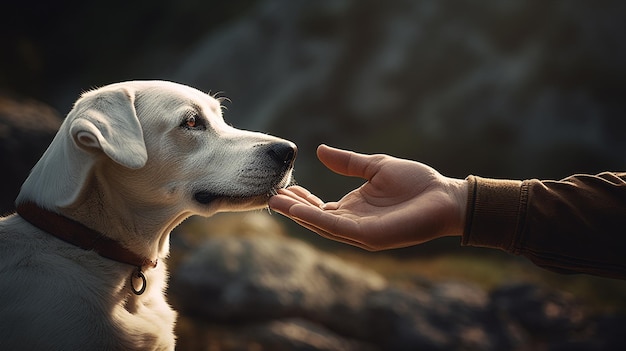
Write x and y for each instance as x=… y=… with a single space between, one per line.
x=461 y=195
x=456 y=212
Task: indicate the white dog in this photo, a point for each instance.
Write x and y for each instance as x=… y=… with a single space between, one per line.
x=81 y=264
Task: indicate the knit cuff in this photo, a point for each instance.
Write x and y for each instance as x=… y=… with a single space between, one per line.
x=493 y=213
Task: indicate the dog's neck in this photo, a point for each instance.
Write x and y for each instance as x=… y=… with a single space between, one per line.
x=79 y=235
x=77 y=193
x=142 y=226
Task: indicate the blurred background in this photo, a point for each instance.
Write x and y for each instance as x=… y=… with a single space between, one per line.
x=502 y=88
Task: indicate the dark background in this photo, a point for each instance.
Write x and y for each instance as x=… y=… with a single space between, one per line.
x=503 y=89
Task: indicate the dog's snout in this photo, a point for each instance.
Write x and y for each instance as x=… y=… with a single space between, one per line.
x=283 y=152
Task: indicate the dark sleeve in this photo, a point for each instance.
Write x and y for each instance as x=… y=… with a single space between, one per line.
x=575 y=225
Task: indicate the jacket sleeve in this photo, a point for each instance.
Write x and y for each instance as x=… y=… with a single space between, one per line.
x=575 y=225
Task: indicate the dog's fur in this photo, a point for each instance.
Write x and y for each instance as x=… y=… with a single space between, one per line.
x=128 y=162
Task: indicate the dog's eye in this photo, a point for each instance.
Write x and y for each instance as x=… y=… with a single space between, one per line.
x=193 y=121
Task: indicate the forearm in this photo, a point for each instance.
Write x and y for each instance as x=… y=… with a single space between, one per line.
x=574 y=225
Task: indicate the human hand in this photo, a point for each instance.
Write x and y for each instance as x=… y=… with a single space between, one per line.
x=403 y=202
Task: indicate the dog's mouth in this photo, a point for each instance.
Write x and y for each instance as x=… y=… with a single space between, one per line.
x=254 y=198
x=205 y=197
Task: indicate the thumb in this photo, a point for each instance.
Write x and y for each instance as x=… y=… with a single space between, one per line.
x=346 y=162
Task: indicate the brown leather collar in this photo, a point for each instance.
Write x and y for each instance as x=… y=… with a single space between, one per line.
x=79 y=235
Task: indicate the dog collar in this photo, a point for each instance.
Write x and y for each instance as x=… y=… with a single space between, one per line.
x=86 y=238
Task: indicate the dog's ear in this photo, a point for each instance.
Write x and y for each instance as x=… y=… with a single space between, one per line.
x=107 y=121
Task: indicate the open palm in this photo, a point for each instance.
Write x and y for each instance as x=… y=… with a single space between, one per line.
x=402 y=203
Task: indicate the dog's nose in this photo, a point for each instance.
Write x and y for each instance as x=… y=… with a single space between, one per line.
x=283 y=152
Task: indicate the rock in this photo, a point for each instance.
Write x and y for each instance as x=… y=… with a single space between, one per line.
x=253 y=279
x=555 y=320
x=281 y=292
x=539 y=312
x=26 y=129
x=274 y=335
x=228 y=279
x=438 y=318
x=298 y=335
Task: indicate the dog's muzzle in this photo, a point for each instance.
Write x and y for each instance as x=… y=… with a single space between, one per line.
x=277 y=158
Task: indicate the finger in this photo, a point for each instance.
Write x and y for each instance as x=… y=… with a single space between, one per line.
x=346 y=162
x=332 y=236
x=330 y=206
x=282 y=203
x=309 y=200
x=304 y=194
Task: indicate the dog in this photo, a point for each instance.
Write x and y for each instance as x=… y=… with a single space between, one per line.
x=82 y=261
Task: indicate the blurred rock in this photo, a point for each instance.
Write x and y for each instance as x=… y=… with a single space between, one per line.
x=283 y=293
x=298 y=335
x=197 y=230
x=26 y=129
x=230 y=279
x=538 y=311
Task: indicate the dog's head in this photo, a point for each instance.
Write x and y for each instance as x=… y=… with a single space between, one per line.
x=154 y=143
